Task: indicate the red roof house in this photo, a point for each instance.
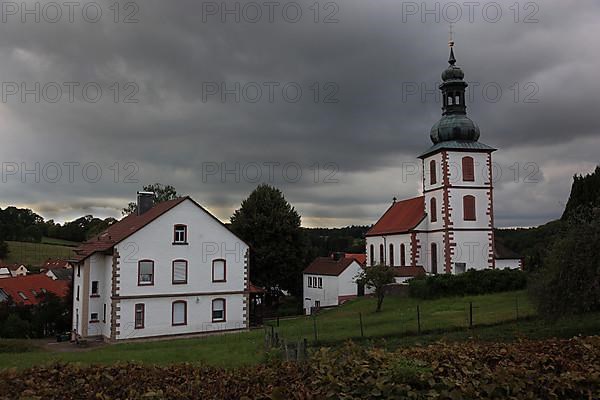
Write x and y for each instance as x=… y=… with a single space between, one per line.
x=29 y=290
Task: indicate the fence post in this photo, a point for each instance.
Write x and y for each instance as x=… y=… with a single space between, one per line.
x=470 y=315
x=315 y=327
x=362 y=333
x=418 y=320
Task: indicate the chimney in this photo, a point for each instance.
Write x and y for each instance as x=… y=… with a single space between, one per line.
x=145 y=201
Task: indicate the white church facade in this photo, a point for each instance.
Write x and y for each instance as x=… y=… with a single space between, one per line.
x=450 y=228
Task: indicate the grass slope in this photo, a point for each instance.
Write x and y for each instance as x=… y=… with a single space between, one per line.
x=35 y=253
x=395 y=326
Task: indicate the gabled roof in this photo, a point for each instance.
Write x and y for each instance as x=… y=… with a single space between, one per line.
x=32 y=287
x=401 y=217
x=132 y=223
x=12 y=267
x=62 y=274
x=123 y=229
x=361 y=258
x=328 y=266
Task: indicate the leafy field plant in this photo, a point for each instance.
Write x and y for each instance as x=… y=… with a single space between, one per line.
x=546 y=369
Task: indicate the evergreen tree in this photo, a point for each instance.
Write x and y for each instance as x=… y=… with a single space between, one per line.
x=271 y=226
x=569 y=283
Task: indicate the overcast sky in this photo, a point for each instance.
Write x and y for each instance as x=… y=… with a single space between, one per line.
x=215 y=97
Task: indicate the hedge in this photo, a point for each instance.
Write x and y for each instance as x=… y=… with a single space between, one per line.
x=471 y=282
x=548 y=369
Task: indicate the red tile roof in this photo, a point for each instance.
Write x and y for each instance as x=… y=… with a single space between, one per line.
x=123 y=229
x=360 y=257
x=53 y=264
x=401 y=217
x=328 y=266
x=30 y=283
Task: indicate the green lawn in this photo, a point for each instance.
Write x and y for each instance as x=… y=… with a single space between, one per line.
x=396 y=324
x=61 y=242
x=35 y=253
x=399 y=316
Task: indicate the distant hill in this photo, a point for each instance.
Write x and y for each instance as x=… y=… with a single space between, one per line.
x=34 y=254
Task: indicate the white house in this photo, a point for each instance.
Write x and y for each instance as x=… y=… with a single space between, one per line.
x=330 y=281
x=450 y=228
x=14 y=270
x=169 y=269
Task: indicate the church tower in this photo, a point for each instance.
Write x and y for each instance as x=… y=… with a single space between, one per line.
x=457 y=186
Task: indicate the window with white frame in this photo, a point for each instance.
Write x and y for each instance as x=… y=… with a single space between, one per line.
x=180 y=234
x=179 y=313
x=320 y=283
x=140 y=311
x=218 y=270
x=218 y=310
x=146 y=272
x=310 y=281
x=94 y=317
x=180 y=268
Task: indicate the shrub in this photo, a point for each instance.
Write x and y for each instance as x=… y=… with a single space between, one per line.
x=471 y=282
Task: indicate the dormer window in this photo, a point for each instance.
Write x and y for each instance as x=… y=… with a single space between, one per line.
x=180 y=234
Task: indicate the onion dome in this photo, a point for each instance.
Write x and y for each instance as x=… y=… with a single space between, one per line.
x=454 y=124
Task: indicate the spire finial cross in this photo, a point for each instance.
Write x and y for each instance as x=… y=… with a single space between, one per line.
x=451 y=36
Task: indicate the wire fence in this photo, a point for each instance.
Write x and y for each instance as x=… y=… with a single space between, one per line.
x=328 y=326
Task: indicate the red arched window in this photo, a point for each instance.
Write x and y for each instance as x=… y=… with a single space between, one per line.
x=402 y=255
x=381 y=254
x=469 y=208
x=432 y=175
x=433 y=258
x=468 y=169
x=391 y=260
x=372 y=254
x=433 y=209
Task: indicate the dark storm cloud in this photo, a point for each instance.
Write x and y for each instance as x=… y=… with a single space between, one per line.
x=366 y=143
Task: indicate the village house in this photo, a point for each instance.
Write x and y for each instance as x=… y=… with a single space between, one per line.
x=13 y=270
x=29 y=290
x=330 y=281
x=450 y=227
x=167 y=269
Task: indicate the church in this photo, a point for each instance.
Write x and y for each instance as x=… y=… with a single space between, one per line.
x=450 y=227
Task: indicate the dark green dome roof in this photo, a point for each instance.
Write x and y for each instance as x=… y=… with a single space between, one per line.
x=454 y=127
x=453 y=73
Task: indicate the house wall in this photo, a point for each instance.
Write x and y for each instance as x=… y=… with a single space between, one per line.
x=347 y=285
x=327 y=295
x=207 y=240
x=158 y=316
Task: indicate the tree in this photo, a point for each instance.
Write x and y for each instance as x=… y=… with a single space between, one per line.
x=161 y=193
x=271 y=226
x=3 y=249
x=377 y=277
x=569 y=282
